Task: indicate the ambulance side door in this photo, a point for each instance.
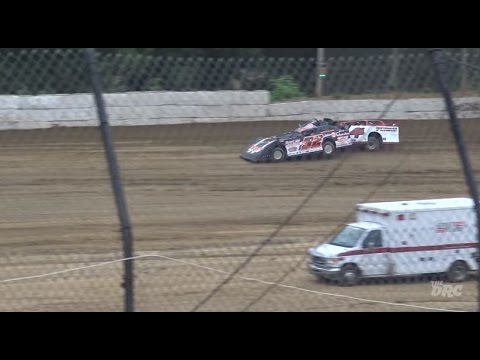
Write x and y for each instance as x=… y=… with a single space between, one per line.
x=374 y=259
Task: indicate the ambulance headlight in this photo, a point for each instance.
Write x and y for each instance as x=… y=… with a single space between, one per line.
x=334 y=261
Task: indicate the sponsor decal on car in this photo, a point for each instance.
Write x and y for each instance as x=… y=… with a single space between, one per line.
x=357 y=132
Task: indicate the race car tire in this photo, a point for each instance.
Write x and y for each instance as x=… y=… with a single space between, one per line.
x=328 y=148
x=278 y=154
x=374 y=142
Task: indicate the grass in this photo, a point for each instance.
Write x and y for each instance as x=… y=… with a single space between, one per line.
x=387 y=96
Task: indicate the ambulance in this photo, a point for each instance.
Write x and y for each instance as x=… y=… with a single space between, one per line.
x=402 y=238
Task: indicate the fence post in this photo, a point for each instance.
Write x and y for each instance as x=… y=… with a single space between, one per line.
x=440 y=71
x=115 y=179
x=463 y=71
x=393 y=79
x=320 y=72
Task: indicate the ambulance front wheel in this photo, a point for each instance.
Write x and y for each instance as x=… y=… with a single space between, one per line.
x=349 y=275
x=458 y=272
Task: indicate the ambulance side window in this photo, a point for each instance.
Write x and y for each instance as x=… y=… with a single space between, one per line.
x=375 y=237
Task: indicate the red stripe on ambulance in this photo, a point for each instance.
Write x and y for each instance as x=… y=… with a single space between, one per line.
x=410 y=249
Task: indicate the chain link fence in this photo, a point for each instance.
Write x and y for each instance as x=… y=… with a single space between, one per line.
x=211 y=231
x=46 y=71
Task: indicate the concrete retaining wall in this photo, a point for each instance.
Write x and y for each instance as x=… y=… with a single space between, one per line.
x=152 y=108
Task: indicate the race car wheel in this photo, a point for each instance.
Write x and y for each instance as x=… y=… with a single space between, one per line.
x=278 y=154
x=328 y=148
x=374 y=142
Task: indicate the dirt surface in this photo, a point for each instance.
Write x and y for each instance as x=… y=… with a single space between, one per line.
x=198 y=211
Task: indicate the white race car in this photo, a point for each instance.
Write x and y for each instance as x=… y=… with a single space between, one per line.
x=372 y=134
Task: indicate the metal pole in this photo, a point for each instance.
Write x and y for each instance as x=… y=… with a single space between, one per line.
x=115 y=179
x=440 y=71
x=320 y=72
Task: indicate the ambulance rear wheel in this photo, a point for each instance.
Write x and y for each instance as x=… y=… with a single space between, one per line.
x=349 y=275
x=458 y=272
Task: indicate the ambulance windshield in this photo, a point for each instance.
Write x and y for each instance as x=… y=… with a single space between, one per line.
x=348 y=237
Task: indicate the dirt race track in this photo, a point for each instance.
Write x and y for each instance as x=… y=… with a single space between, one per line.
x=193 y=200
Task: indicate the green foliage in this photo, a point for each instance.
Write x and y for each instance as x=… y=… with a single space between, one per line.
x=185 y=52
x=155 y=84
x=285 y=88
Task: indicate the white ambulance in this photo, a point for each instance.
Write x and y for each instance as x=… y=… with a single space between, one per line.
x=402 y=238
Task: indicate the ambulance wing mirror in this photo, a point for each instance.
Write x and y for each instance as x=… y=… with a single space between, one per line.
x=370 y=244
